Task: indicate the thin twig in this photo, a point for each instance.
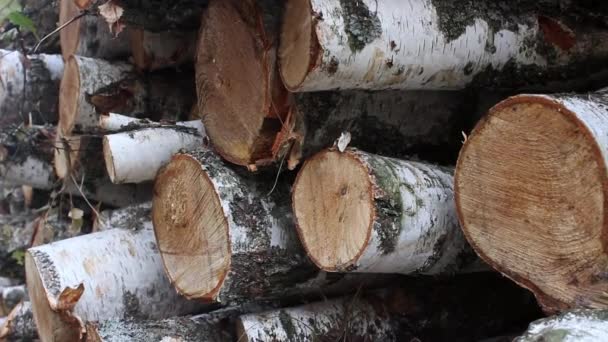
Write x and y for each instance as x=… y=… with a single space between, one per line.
x=82 y=14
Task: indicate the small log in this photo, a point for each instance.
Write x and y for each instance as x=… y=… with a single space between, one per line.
x=19 y=325
x=132 y=218
x=119 y=275
x=29 y=89
x=157 y=50
x=88 y=36
x=136 y=156
x=530 y=185
x=235 y=243
x=367 y=44
x=360 y=212
x=390 y=123
x=577 y=325
x=91 y=86
x=341 y=319
x=235 y=113
x=11 y=296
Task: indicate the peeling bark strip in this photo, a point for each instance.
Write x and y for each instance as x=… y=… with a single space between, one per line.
x=153 y=51
x=389 y=123
x=223 y=239
x=120 y=273
x=182 y=329
x=237 y=114
x=89 y=36
x=368 y=44
x=19 y=325
x=136 y=156
x=29 y=88
x=357 y=318
x=359 y=212
x=532 y=173
x=92 y=86
x=26 y=154
x=578 y=325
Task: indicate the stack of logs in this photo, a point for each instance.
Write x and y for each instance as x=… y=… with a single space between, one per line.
x=282 y=170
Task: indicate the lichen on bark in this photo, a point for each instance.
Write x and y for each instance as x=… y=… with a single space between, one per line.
x=362 y=25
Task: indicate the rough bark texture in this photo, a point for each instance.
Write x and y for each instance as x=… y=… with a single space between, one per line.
x=407 y=219
x=153 y=50
x=136 y=156
x=119 y=271
x=437 y=44
x=391 y=123
x=26 y=155
x=532 y=173
x=93 y=86
x=132 y=218
x=255 y=254
x=89 y=36
x=578 y=325
x=29 y=88
x=156 y=15
x=235 y=114
x=20 y=324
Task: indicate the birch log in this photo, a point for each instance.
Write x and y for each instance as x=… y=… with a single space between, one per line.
x=573 y=326
x=96 y=277
x=391 y=123
x=157 y=50
x=360 y=212
x=29 y=88
x=530 y=190
x=235 y=113
x=233 y=242
x=435 y=44
x=136 y=156
x=89 y=36
x=12 y=296
x=134 y=217
x=91 y=86
x=346 y=318
x=19 y=325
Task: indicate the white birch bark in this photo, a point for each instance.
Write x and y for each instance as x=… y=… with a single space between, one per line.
x=31 y=171
x=112 y=122
x=120 y=272
x=19 y=325
x=410 y=227
x=329 y=320
x=573 y=326
x=29 y=88
x=13 y=295
x=136 y=156
x=133 y=218
x=397 y=44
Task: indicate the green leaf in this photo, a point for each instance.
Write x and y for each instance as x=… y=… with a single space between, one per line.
x=25 y=23
x=19 y=257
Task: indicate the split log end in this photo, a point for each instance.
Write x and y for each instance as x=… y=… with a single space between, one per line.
x=69 y=95
x=298 y=50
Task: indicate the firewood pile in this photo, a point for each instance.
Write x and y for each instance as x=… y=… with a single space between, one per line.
x=303 y=170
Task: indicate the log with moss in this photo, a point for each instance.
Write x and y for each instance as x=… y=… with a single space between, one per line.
x=29 y=88
x=361 y=212
x=530 y=188
x=437 y=44
x=226 y=237
x=237 y=114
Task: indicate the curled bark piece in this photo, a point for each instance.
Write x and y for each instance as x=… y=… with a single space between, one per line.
x=19 y=325
x=367 y=44
x=361 y=212
x=236 y=114
x=120 y=273
x=236 y=241
x=136 y=156
x=29 y=88
x=89 y=36
x=578 y=325
x=530 y=189
x=92 y=86
x=157 y=50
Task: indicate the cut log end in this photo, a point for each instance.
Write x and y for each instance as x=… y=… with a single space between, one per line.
x=233 y=110
x=191 y=228
x=49 y=324
x=333 y=205
x=298 y=49
x=69 y=36
x=109 y=161
x=69 y=95
x=543 y=201
x=66 y=154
